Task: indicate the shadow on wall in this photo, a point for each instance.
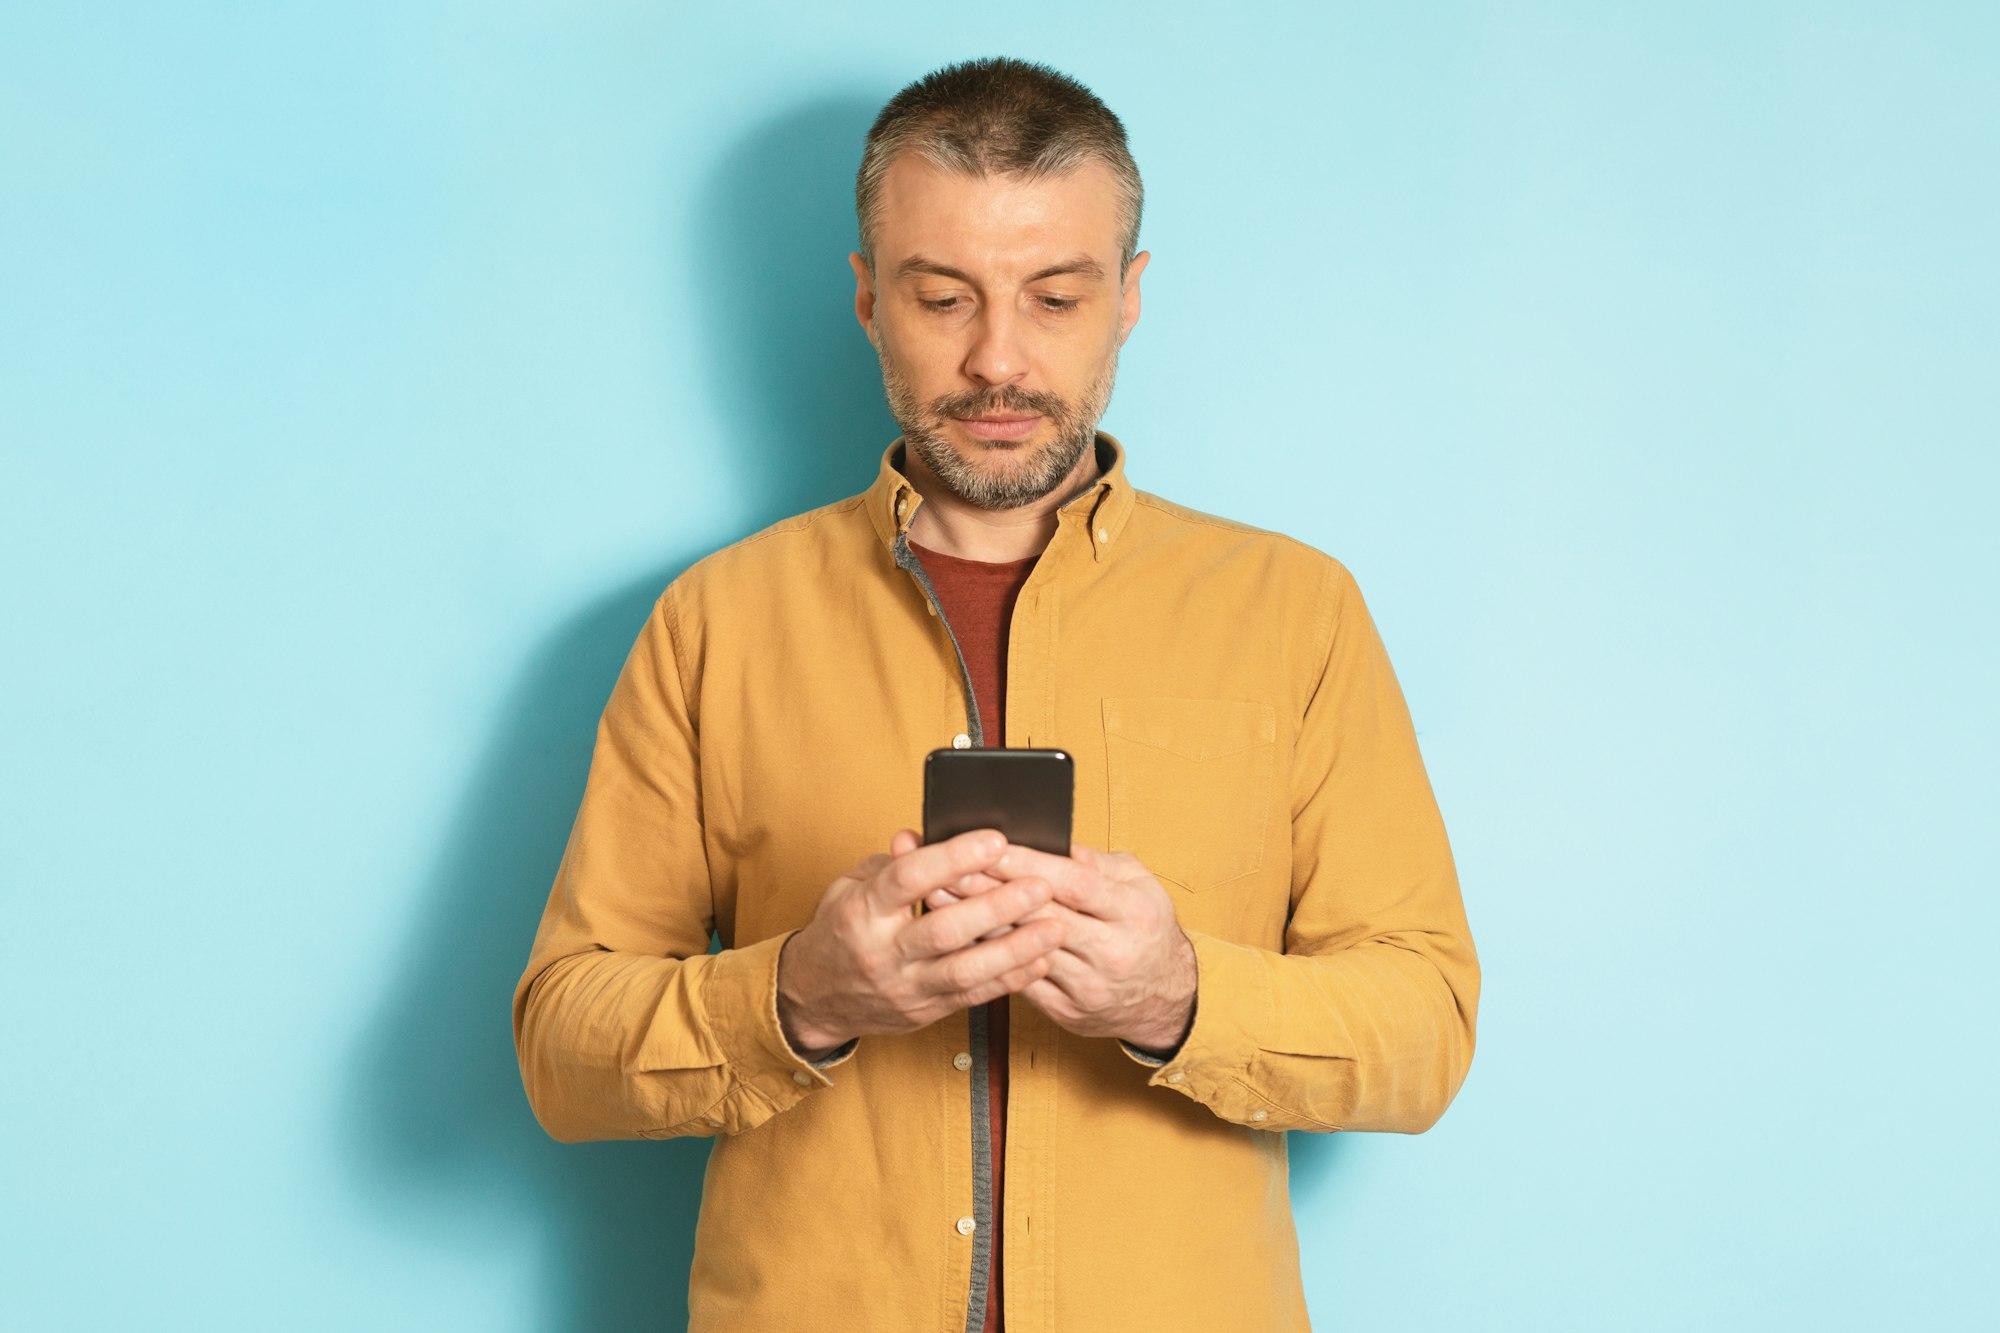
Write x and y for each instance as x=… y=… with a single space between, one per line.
x=438 y=1114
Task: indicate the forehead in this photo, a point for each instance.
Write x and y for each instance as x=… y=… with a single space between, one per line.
x=999 y=223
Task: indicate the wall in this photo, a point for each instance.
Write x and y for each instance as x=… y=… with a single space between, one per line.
x=365 y=370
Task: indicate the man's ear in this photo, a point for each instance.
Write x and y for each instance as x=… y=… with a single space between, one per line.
x=864 y=296
x=1128 y=312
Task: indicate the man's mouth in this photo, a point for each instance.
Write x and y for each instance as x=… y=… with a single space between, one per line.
x=1002 y=426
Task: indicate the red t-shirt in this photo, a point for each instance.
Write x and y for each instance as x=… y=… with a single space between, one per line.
x=978 y=599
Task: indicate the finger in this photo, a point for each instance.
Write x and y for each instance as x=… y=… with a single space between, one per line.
x=965 y=886
x=952 y=893
x=973 y=975
x=1075 y=959
x=1120 y=866
x=997 y=930
x=953 y=927
x=1082 y=935
x=1069 y=971
x=1031 y=971
x=909 y=876
x=1006 y=983
x=905 y=841
x=1051 y=1000
x=1076 y=885
x=964 y=971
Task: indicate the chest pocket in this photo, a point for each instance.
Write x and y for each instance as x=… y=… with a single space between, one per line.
x=1190 y=785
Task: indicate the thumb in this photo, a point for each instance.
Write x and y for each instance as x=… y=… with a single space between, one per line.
x=905 y=841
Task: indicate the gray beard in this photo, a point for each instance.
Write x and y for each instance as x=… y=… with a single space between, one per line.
x=1001 y=490
x=1018 y=486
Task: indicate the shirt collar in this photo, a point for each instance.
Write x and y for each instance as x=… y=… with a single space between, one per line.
x=1102 y=509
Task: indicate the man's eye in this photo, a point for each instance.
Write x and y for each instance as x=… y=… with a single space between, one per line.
x=1054 y=304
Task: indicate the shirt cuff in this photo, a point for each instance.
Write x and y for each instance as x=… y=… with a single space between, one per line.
x=836 y=1055
x=1146 y=1059
x=1214 y=1064
x=740 y=1000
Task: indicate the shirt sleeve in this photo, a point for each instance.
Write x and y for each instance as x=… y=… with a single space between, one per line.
x=1365 y=1020
x=625 y=1025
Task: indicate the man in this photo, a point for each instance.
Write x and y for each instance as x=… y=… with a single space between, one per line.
x=1072 y=1073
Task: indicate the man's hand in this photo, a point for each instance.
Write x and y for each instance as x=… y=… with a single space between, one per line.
x=1124 y=968
x=868 y=963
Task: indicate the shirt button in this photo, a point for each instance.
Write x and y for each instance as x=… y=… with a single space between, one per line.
x=1176 y=1076
x=1104 y=534
x=963 y=1060
x=801 y=1077
x=960 y=741
x=965 y=1225
x=1260 y=1115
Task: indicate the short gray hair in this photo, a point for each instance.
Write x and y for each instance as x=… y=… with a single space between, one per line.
x=998 y=116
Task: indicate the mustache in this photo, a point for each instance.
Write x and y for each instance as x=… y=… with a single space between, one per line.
x=1037 y=404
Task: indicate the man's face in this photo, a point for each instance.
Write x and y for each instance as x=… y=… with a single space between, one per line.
x=994 y=297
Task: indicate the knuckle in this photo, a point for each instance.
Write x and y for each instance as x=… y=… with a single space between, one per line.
x=844 y=922
x=878 y=968
x=905 y=999
x=960 y=974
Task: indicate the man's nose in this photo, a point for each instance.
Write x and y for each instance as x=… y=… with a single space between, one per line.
x=996 y=355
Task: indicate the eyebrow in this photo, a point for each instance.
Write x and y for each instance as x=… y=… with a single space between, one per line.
x=1083 y=265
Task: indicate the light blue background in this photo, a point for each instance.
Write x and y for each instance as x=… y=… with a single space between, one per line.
x=366 y=369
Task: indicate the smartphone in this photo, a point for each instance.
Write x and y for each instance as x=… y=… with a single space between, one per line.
x=1027 y=793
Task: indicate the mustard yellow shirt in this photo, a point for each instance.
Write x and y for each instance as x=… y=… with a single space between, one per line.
x=1235 y=724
